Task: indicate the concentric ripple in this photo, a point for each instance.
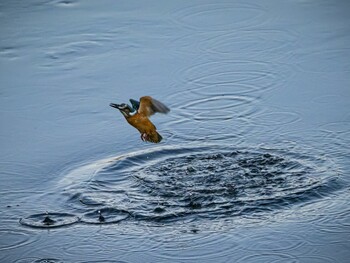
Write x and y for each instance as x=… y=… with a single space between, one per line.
x=105 y=216
x=181 y=184
x=52 y=220
x=11 y=239
x=255 y=75
x=218 y=16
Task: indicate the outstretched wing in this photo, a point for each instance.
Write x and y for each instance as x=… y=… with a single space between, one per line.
x=149 y=106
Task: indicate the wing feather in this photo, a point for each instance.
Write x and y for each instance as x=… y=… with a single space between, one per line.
x=150 y=106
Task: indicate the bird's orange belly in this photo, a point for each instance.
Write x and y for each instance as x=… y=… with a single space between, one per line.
x=143 y=125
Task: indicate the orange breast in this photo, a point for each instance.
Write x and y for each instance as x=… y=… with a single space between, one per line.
x=141 y=123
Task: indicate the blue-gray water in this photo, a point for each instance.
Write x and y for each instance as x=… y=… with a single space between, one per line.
x=254 y=165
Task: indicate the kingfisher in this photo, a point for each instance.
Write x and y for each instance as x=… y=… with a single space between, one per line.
x=138 y=115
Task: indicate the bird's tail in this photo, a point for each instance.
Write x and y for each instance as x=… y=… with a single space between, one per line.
x=159 y=137
x=154 y=137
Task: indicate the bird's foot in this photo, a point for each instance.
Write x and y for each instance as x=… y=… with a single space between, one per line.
x=144 y=136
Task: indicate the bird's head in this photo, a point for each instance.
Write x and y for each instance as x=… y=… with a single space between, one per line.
x=124 y=108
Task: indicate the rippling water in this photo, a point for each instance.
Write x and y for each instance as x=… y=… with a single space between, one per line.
x=254 y=165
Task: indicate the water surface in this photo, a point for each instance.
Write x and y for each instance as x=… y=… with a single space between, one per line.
x=254 y=164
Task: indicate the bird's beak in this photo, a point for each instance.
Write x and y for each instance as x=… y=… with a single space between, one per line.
x=117 y=106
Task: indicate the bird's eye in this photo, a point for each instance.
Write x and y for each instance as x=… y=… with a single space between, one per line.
x=123 y=105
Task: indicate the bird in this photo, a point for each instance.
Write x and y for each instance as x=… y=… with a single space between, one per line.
x=138 y=116
x=135 y=104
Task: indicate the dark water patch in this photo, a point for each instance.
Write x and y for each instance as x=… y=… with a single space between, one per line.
x=49 y=220
x=183 y=184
